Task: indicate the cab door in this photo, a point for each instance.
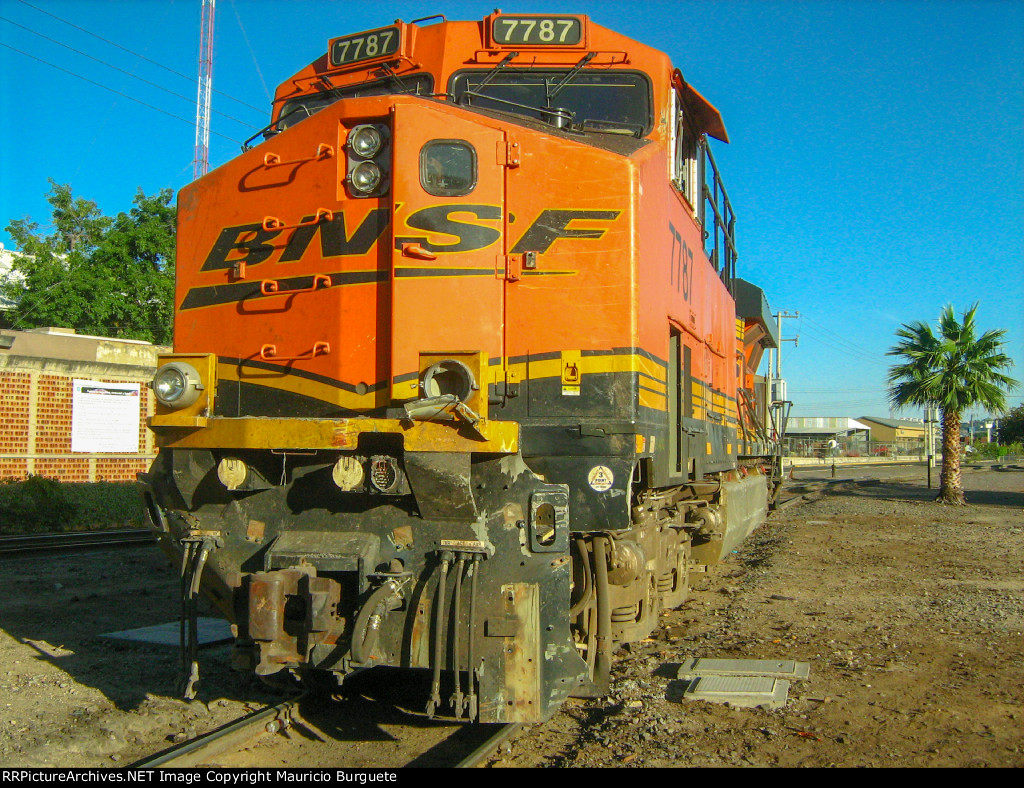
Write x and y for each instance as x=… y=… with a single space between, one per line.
x=447 y=277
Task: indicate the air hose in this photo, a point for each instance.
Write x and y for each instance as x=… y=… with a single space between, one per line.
x=371 y=616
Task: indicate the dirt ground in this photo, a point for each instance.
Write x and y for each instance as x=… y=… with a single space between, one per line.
x=910 y=614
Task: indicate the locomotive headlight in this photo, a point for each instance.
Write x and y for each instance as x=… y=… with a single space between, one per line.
x=177 y=385
x=365 y=141
x=366 y=177
x=368 y=160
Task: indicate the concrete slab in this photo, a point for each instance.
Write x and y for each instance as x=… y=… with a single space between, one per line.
x=746 y=691
x=780 y=669
x=212 y=631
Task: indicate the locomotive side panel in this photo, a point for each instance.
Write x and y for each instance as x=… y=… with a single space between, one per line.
x=571 y=319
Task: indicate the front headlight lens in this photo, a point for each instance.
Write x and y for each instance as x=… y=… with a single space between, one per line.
x=169 y=385
x=366 y=177
x=368 y=160
x=366 y=141
x=177 y=385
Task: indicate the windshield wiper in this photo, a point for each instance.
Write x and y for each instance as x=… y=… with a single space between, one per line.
x=489 y=76
x=391 y=73
x=271 y=128
x=570 y=76
x=558 y=117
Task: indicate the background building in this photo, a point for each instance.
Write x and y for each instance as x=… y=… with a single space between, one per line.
x=48 y=373
x=907 y=433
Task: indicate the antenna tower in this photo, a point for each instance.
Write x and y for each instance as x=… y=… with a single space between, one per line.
x=201 y=162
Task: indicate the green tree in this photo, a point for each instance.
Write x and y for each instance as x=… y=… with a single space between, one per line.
x=954 y=369
x=1011 y=426
x=96 y=274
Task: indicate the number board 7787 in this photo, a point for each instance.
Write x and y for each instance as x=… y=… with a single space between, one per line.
x=537 y=30
x=364 y=46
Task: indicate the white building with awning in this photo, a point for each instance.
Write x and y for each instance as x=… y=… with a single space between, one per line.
x=826 y=428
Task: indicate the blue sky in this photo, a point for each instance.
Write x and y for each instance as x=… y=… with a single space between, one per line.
x=876 y=163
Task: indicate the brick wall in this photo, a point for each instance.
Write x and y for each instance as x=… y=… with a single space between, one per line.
x=35 y=418
x=14 y=420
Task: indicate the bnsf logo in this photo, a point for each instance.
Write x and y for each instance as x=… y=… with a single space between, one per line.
x=251 y=243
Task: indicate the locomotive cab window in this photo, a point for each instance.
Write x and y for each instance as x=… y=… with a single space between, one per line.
x=298 y=109
x=606 y=101
x=448 y=168
x=685 y=173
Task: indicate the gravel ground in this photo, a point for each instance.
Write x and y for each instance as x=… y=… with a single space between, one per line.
x=910 y=614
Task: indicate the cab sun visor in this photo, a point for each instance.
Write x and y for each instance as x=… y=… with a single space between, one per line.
x=708 y=119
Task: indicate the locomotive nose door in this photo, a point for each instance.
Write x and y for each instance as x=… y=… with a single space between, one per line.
x=448 y=202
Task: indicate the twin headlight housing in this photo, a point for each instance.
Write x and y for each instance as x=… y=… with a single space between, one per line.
x=367 y=147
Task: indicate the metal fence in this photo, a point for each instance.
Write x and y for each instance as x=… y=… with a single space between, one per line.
x=808 y=447
x=900 y=450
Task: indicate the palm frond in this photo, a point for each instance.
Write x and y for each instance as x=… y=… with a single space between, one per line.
x=954 y=367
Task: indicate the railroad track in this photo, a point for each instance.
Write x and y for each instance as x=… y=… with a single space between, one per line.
x=234 y=735
x=78 y=540
x=224 y=747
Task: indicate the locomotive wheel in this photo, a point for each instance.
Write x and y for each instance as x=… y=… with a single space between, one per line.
x=682 y=570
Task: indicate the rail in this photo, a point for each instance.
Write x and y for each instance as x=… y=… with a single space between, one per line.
x=281 y=717
x=24 y=544
x=481 y=753
x=192 y=752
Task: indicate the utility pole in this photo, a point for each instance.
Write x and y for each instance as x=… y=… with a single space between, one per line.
x=201 y=161
x=777 y=381
x=777 y=390
x=931 y=417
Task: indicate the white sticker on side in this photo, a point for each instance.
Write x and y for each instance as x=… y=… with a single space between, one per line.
x=601 y=478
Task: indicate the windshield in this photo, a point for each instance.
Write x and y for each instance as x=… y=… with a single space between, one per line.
x=298 y=109
x=613 y=97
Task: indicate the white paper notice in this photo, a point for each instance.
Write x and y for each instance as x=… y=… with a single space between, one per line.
x=105 y=417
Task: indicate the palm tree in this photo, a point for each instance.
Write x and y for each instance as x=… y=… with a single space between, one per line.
x=956 y=370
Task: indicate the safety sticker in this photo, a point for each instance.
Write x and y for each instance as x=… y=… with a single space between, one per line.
x=570 y=373
x=601 y=478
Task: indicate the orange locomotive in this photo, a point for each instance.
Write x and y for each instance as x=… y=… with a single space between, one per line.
x=463 y=376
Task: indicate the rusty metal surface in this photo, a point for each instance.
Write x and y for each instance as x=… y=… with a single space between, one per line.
x=303 y=579
x=522 y=653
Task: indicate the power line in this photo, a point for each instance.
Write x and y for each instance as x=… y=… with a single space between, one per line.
x=838 y=341
x=112 y=90
x=858 y=354
x=252 y=54
x=120 y=70
x=136 y=54
x=836 y=391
